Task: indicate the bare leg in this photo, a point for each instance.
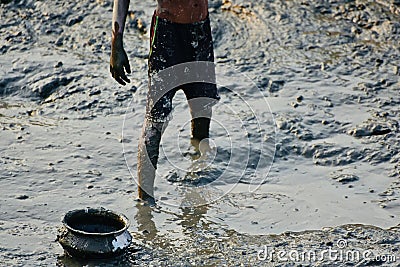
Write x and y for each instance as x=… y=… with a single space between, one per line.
x=201 y=118
x=148 y=153
x=201 y=128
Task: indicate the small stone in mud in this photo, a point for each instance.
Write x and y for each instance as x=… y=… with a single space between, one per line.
x=58 y=65
x=345 y=178
x=32 y=112
x=133 y=89
x=91 y=41
x=378 y=62
x=90 y=186
x=60 y=41
x=299 y=98
x=73 y=21
x=22 y=197
x=294 y=104
x=95 y=92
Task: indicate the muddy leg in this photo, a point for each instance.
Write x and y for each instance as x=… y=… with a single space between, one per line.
x=201 y=118
x=148 y=153
x=200 y=128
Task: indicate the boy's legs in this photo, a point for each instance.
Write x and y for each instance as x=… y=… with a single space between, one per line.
x=148 y=153
x=155 y=123
x=172 y=47
x=201 y=112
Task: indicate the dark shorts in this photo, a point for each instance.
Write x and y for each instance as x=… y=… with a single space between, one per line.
x=172 y=44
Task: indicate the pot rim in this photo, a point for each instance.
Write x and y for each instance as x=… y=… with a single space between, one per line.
x=96 y=210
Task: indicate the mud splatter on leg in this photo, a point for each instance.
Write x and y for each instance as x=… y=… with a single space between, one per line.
x=148 y=156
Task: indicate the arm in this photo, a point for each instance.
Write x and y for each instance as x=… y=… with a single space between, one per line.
x=119 y=59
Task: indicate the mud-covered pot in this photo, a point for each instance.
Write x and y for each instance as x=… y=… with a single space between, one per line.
x=94 y=233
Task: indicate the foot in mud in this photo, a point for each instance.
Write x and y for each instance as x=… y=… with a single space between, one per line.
x=146 y=199
x=204 y=147
x=199 y=148
x=206 y=152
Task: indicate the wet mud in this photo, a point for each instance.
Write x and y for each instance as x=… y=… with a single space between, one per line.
x=330 y=73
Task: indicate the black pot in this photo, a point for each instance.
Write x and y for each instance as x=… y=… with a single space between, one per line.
x=94 y=233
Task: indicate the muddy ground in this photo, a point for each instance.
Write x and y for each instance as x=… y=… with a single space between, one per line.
x=329 y=71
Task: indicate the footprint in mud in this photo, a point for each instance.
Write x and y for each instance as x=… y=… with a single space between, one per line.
x=202 y=171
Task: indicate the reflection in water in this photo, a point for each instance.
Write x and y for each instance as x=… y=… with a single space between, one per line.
x=67 y=261
x=189 y=219
x=146 y=227
x=191 y=234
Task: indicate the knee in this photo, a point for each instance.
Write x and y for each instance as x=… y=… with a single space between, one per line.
x=201 y=107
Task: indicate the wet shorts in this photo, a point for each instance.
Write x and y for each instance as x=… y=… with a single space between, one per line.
x=172 y=44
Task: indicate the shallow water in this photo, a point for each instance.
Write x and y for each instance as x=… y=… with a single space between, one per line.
x=329 y=72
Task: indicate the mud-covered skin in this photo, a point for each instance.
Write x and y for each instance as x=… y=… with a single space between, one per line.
x=119 y=60
x=148 y=152
x=200 y=128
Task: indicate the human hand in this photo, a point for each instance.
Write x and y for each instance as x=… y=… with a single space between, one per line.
x=119 y=62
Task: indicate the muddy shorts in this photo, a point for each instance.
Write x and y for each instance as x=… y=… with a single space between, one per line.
x=172 y=44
